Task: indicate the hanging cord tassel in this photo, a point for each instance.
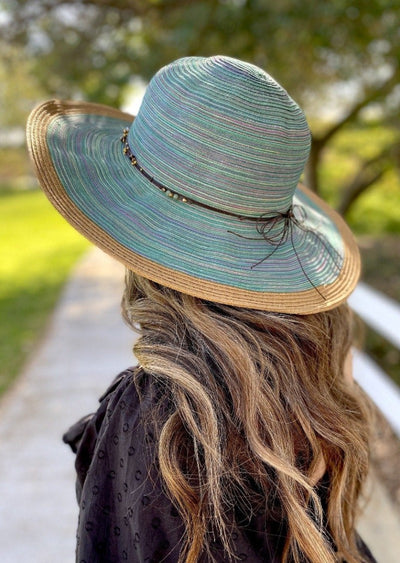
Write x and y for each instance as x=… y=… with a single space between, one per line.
x=265 y=227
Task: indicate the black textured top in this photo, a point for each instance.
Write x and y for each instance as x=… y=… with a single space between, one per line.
x=124 y=513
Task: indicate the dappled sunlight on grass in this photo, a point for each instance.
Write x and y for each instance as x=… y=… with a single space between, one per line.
x=38 y=250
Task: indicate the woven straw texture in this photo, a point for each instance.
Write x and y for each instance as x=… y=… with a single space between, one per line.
x=221 y=133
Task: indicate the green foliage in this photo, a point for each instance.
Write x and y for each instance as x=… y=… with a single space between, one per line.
x=96 y=46
x=377 y=210
x=19 y=88
x=92 y=49
x=38 y=250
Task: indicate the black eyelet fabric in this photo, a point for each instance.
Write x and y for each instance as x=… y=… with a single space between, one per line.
x=124 y=513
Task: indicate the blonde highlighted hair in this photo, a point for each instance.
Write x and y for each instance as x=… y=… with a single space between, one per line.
x=259 y=401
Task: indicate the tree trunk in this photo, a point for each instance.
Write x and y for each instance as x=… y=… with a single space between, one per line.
x=369 y=172
x=357 y=187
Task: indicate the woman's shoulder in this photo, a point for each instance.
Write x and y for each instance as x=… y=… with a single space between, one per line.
x=132 y=394
x=134 y=384
x=118 y=441
x=124 y=512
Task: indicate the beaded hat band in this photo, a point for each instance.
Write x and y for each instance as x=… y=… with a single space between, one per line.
x=200 y=191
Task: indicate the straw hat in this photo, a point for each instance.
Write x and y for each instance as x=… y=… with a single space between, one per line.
x=200 y=192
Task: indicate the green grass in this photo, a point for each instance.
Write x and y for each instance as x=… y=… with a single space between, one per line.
x=38 y=250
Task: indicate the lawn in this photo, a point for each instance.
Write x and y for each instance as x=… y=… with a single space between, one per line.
x=38 y=250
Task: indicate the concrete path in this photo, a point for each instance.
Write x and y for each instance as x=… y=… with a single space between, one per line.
x=86 y=344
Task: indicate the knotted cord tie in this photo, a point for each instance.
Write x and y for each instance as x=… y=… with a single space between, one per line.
x=265 y=225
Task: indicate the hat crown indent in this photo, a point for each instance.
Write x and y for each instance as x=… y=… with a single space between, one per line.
x=222 y=132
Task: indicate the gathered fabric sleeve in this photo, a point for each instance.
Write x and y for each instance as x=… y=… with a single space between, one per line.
x=124 y=514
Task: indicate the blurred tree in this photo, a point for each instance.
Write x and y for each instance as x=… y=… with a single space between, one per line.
x=94 y=47
x=18 y=87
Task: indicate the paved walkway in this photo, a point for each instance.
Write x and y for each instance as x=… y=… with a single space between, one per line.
x=85 y=346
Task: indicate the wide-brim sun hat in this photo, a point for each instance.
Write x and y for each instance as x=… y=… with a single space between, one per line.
x=200 y=192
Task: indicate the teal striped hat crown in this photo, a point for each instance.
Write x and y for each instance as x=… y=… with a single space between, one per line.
x=222 y=132
x=200 y=192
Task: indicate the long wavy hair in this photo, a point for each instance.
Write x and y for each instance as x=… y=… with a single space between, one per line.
x=259 y=402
